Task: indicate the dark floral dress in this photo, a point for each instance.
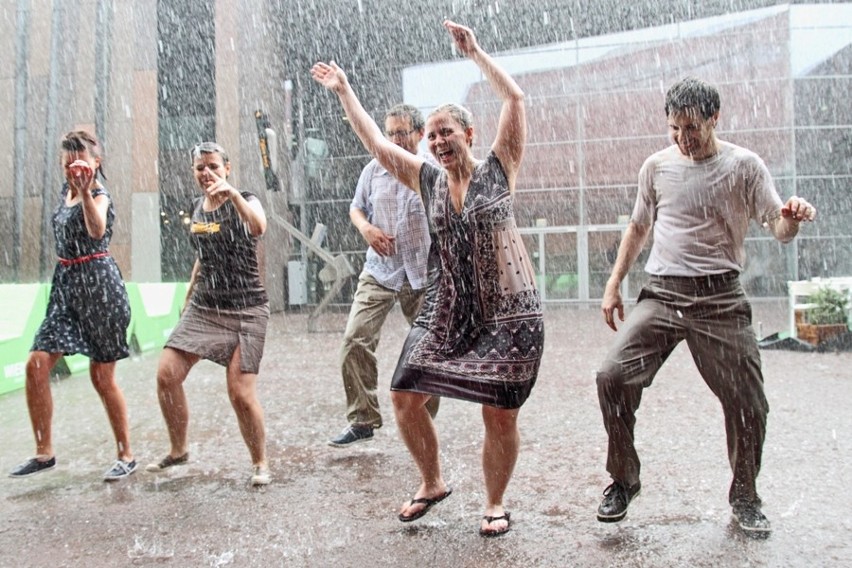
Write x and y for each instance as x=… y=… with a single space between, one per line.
x=480 y=333
x=88 y=310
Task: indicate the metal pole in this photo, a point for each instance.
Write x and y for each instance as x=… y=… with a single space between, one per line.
x=102 y=57
x=21 y=79
x=48 y=189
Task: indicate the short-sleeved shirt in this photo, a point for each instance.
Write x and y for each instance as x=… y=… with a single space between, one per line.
x=229 y=278
x=700 y=210
x=398 y=211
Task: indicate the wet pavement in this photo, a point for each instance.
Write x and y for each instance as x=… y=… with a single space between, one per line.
x=338 y=507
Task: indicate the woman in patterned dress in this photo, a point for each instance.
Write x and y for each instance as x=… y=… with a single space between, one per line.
x=480 y=334
x=88 y=311
x=226 y=312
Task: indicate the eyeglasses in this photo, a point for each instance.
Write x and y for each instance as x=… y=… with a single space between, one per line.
x=399 y=133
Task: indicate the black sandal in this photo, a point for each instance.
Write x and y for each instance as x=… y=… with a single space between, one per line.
x=488 y=520
x=426 y=501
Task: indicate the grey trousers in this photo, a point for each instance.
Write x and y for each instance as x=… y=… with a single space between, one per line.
x=370 y=308
x=713 y=315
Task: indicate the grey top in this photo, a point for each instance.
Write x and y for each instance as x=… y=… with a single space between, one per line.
x=700 y=210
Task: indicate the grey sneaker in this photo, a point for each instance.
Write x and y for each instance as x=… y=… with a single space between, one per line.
x=352 y=434
x=751 y=519
x=120 y=470
x=616 y=499
x=33 y=466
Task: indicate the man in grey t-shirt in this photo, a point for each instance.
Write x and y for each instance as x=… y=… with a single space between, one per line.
x=392 y=219
x=698 y=195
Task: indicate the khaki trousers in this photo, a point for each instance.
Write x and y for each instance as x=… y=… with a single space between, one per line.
x=370 y=308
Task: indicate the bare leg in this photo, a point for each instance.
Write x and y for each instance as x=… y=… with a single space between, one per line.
x=40 y=400
x=419 y=434
x=242 y=390
x=499 y=455
x=103 y=379
x=172 y=371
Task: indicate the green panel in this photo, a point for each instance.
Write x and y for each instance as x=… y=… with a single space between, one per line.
x=22 y=309
x=76 y=363
x=156 y=309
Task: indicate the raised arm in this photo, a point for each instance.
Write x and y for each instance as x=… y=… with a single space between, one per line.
x=512 y=128
x=95 y=214
x=401 y=164
x=94 y=208
x=250 y=211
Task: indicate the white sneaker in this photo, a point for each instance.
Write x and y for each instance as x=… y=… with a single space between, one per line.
x=260 y=476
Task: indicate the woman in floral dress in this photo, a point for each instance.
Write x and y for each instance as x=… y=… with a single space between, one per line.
x=480 y=334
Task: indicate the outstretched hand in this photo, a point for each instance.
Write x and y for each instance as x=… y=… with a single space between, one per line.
x=220 y=187
x=80 y=176
x=462 y=36
x=798 y=209
x=329 y=75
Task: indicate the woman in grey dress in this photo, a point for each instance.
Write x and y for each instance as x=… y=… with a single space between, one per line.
x=88 y=311
x=480 y=334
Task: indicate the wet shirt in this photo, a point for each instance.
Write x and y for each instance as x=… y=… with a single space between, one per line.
x=230 y=276
x=396 y=210
x=69 y=228
x=701 y=210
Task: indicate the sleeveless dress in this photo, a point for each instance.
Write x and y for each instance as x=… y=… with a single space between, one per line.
x=88 y=310
x=480 y=333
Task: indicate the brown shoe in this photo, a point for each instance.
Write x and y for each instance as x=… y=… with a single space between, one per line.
x=166 y=463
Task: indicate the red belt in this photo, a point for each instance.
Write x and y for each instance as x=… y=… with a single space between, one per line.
x=82 y=259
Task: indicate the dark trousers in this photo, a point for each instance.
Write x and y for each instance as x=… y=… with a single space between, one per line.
x=713 y=315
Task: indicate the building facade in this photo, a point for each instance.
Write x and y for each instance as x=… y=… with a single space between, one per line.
x=154 y=77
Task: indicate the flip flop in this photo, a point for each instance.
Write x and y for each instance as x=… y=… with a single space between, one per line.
x=167 y=462
x=426 y=501
x=488 y=520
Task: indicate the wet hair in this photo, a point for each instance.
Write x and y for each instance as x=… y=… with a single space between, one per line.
x=208 y=148
x=413 y=114
x=457 y=113
x=80 y=141
x=691 y=93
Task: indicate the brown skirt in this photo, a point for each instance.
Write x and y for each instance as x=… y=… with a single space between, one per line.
x=214 y=334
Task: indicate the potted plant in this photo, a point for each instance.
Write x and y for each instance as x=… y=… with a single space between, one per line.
x=828 y=316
